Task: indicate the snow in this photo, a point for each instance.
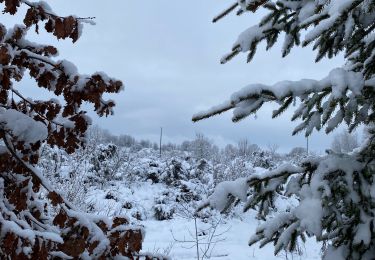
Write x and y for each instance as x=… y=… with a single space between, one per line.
x=335 y=253
x=310 y=213
x=254 y=33
x=50 y=236
x=339 y=79
x=25 y=128
x=169 y=191
x=161 y=236
x=221 y=108
x=11 y=226
x=69 y=68
x=60 y=254
x=363 y=234
x=158 y=239
x=306 y=11
x=143 y=196
x=342 y=83
x=237 y=188
x=334 y=10
x=161 y=195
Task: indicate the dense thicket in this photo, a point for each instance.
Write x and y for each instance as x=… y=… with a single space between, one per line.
x=105 y=178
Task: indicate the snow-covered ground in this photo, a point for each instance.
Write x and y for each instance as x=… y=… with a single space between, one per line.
x=171 y=237
x=162 y=195
x=159 y=239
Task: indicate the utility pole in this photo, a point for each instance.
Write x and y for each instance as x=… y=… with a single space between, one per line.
x=307 y=145
x=161 y=136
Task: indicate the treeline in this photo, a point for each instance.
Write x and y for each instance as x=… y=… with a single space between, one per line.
x=201 y=146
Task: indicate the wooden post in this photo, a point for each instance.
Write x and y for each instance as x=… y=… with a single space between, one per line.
x=161 y=136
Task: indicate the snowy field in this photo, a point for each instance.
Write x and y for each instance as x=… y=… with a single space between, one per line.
x=163 y=194
x=159 y=239
x=171 y=237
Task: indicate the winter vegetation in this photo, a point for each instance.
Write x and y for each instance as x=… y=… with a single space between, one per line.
x=36 y=220
x=110 y=177
x=71 y=190
x=334 y=193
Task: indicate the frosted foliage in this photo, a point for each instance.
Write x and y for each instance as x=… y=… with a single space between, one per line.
x=310 y=214
x=339 y=82
x=334 y=193
x=162 y=193
x=36 y=220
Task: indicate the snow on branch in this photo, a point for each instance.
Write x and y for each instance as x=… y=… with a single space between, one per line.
x=225 y=191
x=334 y=198
x=36 y=222
x=339 y=84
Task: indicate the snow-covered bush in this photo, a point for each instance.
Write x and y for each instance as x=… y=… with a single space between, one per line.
x=234 y=169
x=173 y=172
x=296 y=155
x=344 y=142
x=179 y=177
x=298 y=152
x=106 y=161
x=164 y=207
x=263 y=159
x=163 y=212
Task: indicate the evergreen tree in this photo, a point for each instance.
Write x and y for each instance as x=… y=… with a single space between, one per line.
x=336 y=192
x=36 y=222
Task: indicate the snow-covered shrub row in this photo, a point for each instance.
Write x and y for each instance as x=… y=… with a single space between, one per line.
x=104 y=177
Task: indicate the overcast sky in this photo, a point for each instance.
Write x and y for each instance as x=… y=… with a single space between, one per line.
x=167 y=54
